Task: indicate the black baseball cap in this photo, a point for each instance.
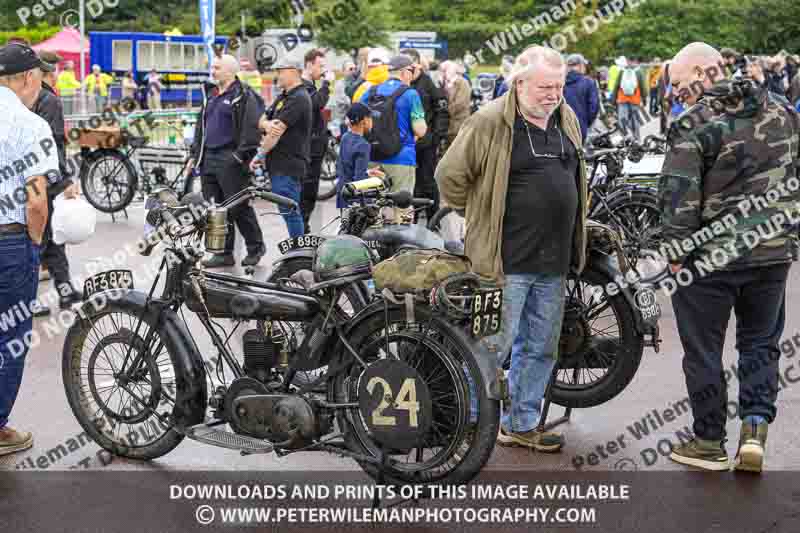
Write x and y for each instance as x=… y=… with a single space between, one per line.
x=359 y=112
x=17 y=57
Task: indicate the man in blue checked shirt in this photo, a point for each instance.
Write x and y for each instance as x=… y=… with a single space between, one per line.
x=28 y=159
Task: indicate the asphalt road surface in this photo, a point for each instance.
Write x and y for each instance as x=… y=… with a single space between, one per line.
x=633 y=431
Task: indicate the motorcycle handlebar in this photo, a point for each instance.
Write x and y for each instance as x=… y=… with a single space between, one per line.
x=278 y=199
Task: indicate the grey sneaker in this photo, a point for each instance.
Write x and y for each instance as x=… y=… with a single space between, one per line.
x=752 y=441
x=12 y=441
x=705 y=454
x=541 y=441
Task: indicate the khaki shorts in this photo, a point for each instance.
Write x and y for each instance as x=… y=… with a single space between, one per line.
x=403 y=179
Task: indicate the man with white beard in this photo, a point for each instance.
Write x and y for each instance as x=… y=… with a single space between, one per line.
x=515 y=169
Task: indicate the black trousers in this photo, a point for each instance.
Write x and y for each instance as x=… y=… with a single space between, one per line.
x=54 y=256
x=702 y=310
x=222 y=177
x=425 y=185
x=310 y=185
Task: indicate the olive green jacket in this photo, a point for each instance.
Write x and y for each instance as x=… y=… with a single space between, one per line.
x=473 y=176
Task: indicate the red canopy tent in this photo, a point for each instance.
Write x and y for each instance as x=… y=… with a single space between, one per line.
x=67 y=43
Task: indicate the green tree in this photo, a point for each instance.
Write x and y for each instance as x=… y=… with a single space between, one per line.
x=773 y=25
x=348 y=25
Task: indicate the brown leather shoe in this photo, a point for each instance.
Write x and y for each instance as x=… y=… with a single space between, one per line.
x=12 y=441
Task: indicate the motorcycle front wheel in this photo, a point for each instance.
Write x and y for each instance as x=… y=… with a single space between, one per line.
x=465 y=421
x=126 y=411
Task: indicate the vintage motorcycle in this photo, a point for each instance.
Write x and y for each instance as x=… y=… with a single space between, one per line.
x=412 y=399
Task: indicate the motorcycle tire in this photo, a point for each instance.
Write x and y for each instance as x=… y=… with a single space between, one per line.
x=447 y=350
x=640 y=214
x=623 y=366
x=111 y=431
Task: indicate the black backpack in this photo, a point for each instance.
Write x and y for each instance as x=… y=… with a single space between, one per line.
x=384 y=139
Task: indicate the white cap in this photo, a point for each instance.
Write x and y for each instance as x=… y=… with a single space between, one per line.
x=378 y=56
x=622 y=62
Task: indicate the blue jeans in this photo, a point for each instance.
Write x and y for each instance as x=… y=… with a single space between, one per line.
x=533 y=310
x=289 y=187
x=19 y=279
x=630 y=118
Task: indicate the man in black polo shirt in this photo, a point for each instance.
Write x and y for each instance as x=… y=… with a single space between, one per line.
x=315 y=70
x=226 y=139
x=287 y=141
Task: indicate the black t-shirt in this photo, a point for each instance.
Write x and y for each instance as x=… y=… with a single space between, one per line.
x=292 y=155
x=541 y=202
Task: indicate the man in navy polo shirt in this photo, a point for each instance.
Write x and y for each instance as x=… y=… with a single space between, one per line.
x=226 y=140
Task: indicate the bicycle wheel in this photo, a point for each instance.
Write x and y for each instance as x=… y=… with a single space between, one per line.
x=109 y=182
x=329 y=163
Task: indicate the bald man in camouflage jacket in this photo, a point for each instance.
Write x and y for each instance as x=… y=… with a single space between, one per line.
x=731 y=204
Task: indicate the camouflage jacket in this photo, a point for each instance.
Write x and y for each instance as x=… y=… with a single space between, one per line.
x=729 y=191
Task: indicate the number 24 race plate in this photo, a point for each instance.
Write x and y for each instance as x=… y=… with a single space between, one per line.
x=111 y=279
x=487 y=312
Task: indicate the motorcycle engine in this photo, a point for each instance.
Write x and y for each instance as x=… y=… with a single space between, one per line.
x=287 y=420
x=253 y=405
x=262 y=353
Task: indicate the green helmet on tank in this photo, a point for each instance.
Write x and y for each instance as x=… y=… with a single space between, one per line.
x=339 y=256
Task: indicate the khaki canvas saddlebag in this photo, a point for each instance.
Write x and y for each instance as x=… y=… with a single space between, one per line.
x=418 y=270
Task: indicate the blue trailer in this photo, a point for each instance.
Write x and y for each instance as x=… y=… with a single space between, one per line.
x=181 y=61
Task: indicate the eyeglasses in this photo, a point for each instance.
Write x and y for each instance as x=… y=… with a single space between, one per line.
x=562 y=156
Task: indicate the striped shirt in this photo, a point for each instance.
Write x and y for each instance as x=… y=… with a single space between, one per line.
x=27 y=150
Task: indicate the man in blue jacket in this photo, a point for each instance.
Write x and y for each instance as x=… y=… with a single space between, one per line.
x=581 y=93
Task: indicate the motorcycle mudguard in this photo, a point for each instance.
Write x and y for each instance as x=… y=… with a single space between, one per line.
x=487 y=364
x=605 y=265
x=190 y=374
x=306 y=253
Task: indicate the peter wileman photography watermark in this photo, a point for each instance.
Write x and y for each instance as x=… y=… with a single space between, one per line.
x=657 y=419
x=69 y=17
x=568 y=35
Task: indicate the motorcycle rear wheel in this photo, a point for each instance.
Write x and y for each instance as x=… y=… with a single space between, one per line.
x=599 y=334
x=466 y=420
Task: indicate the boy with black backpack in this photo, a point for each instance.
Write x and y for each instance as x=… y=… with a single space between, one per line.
x=399 y=121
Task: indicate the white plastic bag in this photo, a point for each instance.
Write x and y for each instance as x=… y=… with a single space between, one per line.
x=73 y=220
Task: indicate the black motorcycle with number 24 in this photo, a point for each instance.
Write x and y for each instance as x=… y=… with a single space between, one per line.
x=412 y=401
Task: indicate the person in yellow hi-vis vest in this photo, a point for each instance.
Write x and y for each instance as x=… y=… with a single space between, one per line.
x=67 y=85
x=250 y=76
x=96 y=85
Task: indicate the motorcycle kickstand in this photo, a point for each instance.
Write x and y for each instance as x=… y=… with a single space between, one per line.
x=376 y=500
x=543 y=424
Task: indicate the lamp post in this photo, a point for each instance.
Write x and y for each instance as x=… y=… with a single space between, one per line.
x=82 y=11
